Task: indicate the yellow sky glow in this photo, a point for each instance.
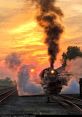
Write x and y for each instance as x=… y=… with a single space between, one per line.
x=19 y=31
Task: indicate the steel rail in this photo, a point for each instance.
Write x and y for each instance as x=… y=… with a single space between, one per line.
x=75 y=101
x=67 y=103
x=7 y=94
x=71 y=98
x=4 y=92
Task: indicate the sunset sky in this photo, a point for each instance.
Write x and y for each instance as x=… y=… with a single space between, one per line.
x=20 y=33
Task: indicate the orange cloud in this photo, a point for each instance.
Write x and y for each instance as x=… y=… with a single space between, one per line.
x=20 y=32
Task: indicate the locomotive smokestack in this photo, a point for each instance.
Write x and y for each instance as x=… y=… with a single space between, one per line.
x=49 y=17
x=52 y=65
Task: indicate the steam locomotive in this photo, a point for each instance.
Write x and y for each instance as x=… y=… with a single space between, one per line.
x=52 y=81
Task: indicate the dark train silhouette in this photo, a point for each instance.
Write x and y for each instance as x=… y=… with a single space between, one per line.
x=51 y=81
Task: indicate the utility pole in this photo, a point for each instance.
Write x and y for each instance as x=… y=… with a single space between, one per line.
x=80 y=82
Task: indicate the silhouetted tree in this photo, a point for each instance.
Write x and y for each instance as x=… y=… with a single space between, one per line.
x=6 y=82
x=72 y=53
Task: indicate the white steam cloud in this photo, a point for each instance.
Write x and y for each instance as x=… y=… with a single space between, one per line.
x=25 y=86
x=74 y=67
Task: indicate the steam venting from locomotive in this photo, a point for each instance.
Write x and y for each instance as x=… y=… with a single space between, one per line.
x=72 y=68
x=25 y=85
x=21 y=74
x=49 y=17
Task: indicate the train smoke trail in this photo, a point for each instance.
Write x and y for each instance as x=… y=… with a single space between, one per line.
x=48 y=18
x=21 y=73
x=25 y=86
x=72 y=88
x=73 y=67
x=13 y=61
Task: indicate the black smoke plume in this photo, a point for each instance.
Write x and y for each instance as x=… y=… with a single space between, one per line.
x=13 y=60
x=48 y=15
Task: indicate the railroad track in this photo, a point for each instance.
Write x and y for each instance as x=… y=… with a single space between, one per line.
x=3 y=90
x=75 y=100
x=6 y=94
x=70 y=107
x=68 y=104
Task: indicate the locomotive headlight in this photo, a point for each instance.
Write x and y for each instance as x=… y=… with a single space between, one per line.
x=52 y=71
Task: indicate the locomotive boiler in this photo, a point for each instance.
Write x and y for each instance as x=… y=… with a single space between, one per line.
x=51 y=81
